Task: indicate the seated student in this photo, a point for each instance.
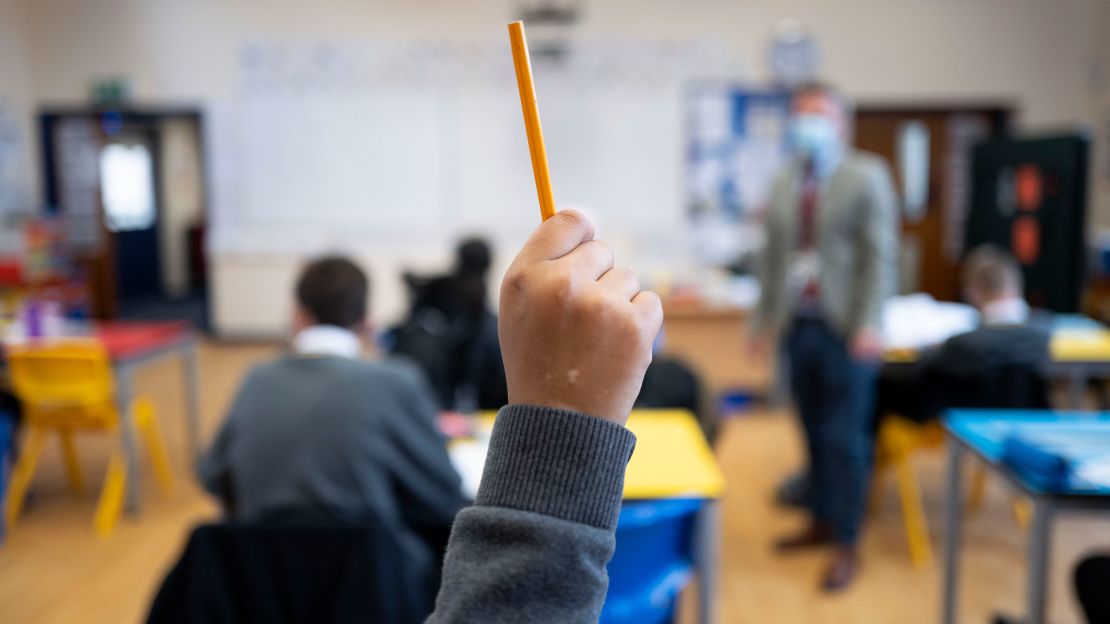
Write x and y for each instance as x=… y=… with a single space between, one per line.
x=670 y=383
x=576 y=334
x=451 y=333
x=322 y=430
x=995 y=365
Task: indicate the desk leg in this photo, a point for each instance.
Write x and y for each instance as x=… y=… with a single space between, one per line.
x=707 y=549
x=127 y=437
x=1040 y=547
x=192 y=397
x=1077 y=387
x=953 y=531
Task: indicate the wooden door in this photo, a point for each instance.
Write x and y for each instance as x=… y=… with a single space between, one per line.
x=932 y=240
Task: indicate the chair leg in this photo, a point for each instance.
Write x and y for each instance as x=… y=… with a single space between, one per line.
x=146 y=422
x=875 y=494
x=978 y=490
x=885 y=451
x=913 y=513
x=110 y=506
x=1023 y=511
x=73 y=466
x=23 y=472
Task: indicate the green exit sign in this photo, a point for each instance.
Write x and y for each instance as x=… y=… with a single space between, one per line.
x=110 y=91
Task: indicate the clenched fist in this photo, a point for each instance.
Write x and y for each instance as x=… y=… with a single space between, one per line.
x=576 y=333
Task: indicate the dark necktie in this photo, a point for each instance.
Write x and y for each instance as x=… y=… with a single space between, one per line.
x=807 y=224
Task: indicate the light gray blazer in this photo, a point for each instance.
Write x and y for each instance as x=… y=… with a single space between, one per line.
x=857 y=240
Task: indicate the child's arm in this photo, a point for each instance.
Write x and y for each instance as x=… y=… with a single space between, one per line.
x=576 y=335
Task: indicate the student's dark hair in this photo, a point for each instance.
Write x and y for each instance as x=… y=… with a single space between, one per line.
x=473 y=255
x=334 y=291
x=992 y=271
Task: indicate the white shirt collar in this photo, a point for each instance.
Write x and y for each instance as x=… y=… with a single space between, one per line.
x=327 y=340
x=1012 y=311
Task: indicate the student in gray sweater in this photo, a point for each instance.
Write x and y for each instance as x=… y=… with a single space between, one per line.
x=322 y=430
x=576 y=335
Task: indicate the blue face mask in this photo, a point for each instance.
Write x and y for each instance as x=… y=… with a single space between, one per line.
x=815 y=138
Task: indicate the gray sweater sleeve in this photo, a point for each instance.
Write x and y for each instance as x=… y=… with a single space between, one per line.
x=534 y=546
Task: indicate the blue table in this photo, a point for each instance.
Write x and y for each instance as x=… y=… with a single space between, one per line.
x=983 y=433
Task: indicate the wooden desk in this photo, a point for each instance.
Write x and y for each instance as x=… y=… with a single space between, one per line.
x=712 y=340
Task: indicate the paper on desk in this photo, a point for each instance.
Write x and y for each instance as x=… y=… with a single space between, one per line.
x=469 y=457
x=1094 y=474
x=917 y=321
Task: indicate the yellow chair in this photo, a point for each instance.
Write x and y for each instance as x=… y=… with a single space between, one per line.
x=67 y=388
x=899 y=438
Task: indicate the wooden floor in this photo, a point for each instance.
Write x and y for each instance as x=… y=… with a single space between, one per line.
x=53 y=569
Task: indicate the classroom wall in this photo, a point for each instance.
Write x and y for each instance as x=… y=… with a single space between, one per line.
x=1041 y=56
x=182 y=201
x=17 y=175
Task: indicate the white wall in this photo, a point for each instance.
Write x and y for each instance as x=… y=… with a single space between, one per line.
x=182 y=201
x=17 y=175
x=1039 y=55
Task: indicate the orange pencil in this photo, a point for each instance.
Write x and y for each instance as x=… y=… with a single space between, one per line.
x=531 y=112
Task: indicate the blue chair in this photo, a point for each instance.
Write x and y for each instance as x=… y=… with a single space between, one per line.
x=7 y=458
x=653 y=562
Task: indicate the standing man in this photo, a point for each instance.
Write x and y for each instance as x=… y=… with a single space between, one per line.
x=829 y=264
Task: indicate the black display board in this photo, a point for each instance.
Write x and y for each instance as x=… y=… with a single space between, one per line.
x=1030 y=196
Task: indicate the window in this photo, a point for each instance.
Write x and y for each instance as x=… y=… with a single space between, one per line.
x=127 y=187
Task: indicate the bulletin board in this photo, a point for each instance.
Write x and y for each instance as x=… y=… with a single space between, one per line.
x=735 y=147
x=1030 y=196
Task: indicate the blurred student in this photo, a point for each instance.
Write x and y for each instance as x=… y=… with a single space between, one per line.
x=451 y=333
x=828 y=266
x=998 y=364
x=322 y=430
x=669 y=383
x=576 y=334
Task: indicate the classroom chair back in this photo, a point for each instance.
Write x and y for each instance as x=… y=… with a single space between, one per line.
x=653 y=562
x=296 y=566
x=7 y=454
x=67 y=388
x=65 y=382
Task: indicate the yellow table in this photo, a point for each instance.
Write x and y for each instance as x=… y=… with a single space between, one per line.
x=1080 y=345
x=671 y=460
x=1079 y=355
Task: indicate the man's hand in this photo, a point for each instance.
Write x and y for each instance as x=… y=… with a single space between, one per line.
x=867 y=345
x=576 y=333
x=759 y=346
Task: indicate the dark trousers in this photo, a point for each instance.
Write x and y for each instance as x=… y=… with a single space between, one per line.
x=834 y=394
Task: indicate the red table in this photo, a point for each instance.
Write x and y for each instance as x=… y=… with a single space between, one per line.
x=132 y=344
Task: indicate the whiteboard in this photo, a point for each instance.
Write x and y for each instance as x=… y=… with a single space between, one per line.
x=377 y=143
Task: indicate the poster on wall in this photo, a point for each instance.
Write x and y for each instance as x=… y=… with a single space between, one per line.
x=736 y=144
x=1030 y=197
x=13 y=192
